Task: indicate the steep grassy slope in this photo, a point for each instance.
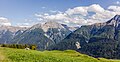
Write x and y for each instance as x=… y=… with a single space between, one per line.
x=19 y=55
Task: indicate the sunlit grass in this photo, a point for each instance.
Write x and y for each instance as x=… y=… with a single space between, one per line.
x=21 y=55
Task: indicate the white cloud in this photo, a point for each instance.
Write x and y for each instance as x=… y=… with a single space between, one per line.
x=24 y=24
x=117 y=2
x=43 y=7
x=95 y=8
x=114 y=8
x=82 y=15
x=28 y=20
x=77 y=10
x=58 y=16
x=4 y=21
x=54 y=11
x=46 y=14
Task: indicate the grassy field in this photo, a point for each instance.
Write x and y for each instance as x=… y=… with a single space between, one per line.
x=21 y=55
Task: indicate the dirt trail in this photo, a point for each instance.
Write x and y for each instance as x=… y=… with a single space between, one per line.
x=2 y=57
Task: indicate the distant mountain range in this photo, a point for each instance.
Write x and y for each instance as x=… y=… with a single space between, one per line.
x=42 y=35
x=98 y=40
x=7 y=33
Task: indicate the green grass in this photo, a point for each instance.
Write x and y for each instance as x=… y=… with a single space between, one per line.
x=21 y=55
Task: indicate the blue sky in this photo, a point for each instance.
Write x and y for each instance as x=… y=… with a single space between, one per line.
x=17 y=11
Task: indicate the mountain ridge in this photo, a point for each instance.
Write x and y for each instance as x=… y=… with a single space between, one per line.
x=7 y=33
x=95 y=40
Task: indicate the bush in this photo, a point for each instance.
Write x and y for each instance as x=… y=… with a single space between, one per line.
x=33 y=47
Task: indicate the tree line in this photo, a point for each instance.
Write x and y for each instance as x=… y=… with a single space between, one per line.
x=19 y=46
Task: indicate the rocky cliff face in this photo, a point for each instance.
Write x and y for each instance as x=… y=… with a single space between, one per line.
x=55 y=31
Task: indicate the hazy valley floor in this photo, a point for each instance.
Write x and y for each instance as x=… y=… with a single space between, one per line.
x=21 y=55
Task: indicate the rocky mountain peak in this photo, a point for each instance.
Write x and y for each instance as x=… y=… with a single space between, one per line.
x=114 y=21
x=51 y=24
x=117 y=17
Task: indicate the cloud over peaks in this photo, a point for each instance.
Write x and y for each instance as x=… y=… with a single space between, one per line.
x=4 y=21
x=82 y=15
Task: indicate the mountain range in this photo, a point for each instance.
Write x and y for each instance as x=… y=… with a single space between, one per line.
x=7 y=33
x=42 y=35
x=97 y=40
